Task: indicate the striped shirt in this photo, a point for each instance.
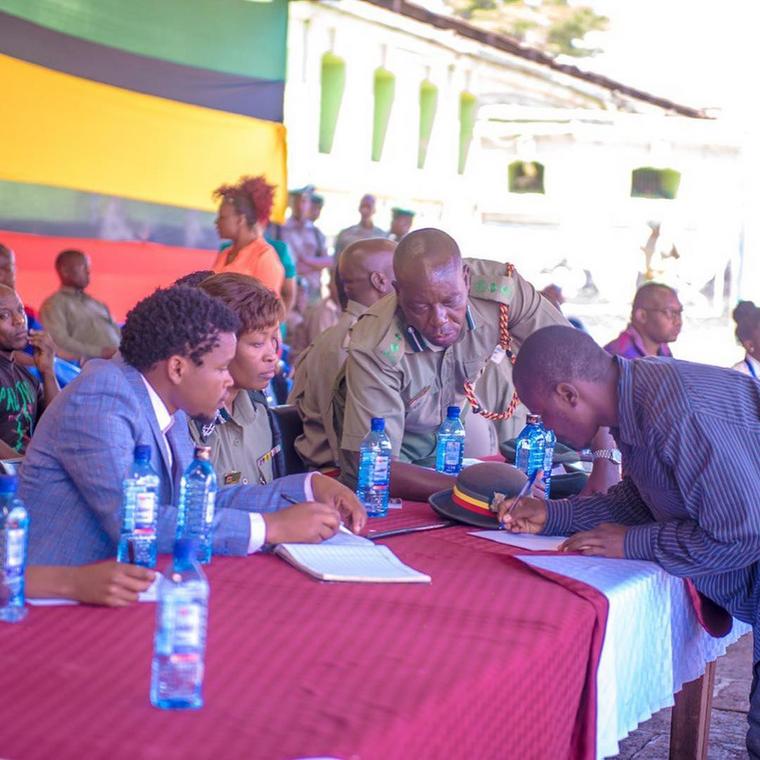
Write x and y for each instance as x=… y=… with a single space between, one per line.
x=690 y=439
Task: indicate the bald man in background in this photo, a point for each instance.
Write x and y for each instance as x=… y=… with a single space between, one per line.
x=412 y=352
x=365 y=269
x=656 y=319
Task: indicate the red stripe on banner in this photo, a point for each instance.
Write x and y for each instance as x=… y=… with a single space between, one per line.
x=122 y=272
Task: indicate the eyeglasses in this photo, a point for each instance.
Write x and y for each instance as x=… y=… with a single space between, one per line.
x=671 y=314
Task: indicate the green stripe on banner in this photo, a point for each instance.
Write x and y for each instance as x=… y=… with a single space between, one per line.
x=44 y=210
x=234 y=36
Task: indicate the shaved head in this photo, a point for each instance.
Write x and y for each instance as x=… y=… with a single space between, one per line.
x=425 y=250
x=366 y=270
x=650 y=294
x=561 y=374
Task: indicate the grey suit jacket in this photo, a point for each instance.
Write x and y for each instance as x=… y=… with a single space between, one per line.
x=83 y=446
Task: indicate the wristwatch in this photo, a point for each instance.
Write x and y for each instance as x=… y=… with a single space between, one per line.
x=612 y=454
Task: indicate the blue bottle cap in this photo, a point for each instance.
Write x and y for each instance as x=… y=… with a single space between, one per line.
x=185 y=549
x=142 y=452
x=452 y=412
x=8 y=483
x=378 y=424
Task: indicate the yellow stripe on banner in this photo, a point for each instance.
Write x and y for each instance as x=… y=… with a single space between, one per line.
x=61 y=130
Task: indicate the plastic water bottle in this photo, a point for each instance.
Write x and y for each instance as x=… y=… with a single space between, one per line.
x=180 y=642
x=529 y=446
x=197 y=501
x=14 y=531
x=550 y=440
x=139 y=511
x=373 y=488
x=449 y=449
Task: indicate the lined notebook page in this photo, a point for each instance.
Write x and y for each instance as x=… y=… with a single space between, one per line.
x=350 y=561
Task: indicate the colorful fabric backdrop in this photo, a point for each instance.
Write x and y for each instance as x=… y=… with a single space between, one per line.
x=119 y=119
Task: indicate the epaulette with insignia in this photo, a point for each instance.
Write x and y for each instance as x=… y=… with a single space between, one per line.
x=491 y=280
x=391 y=347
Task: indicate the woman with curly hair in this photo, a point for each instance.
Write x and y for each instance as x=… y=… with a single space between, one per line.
x=244 y=209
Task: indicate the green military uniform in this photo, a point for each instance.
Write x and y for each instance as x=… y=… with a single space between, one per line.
x=312 y=390
x=242 y=449
x=392 y=372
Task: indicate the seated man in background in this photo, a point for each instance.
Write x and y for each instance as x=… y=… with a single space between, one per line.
x=244 y=437
x=65 y=371
x=81 y=327
x=22 y=396
x=685 y=431
x=655 y=321
x=176 y=349
x=747 y=318
x=365 y=269
x=413 y=353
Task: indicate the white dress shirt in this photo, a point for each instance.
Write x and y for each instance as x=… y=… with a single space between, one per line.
x=165 y=420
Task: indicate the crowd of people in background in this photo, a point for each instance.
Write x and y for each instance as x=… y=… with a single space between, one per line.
x=290 y=304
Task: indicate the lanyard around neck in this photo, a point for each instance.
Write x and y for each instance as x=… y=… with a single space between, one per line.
x=750 y=368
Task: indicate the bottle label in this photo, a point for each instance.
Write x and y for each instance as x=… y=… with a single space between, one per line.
x=14 y=556
x=209 y=507
x=380 y=470
x=451 y=452
x=187 y=625
x=145 y=508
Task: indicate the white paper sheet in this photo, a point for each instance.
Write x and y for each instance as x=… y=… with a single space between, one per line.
x=522 y=540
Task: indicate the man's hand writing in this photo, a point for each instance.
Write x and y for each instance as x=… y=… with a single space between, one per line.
x=307 y=523
x=529 y=516
x=330 y=491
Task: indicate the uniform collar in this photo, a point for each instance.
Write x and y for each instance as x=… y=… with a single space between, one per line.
x=416 y=342
x=355 y=309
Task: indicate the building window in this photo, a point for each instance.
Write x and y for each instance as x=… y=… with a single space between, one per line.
x=333 y=83
x=385 y=91
x=526 y=177
x=648 y=182
x=468 y=109
x=428 y=106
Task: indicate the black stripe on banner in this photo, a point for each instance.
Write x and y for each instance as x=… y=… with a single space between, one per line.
x=247 y=96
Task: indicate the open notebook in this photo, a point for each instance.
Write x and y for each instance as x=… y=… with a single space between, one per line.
x=346 y=557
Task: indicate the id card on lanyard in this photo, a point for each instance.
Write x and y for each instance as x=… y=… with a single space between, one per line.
x=750 y=368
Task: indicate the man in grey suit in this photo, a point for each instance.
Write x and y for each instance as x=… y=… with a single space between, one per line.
x=175 y=350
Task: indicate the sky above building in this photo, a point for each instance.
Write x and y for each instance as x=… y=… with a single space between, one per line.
x=691 y=51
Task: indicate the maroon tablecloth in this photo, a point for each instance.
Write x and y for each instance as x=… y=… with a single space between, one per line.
x=490 y=660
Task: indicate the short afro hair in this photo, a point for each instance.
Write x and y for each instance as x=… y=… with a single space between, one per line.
x=558 y=354
x=194 y=279
x=178 y=321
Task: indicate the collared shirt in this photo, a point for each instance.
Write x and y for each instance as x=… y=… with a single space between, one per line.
x=22 y=400
x=357 y=232
x=312 y=391
x=690 y=439
x=257 y=259
x=241 y=443
x=79 y=324
x=392 y=372
x=630 y=345
x=749 y=366
x=165 y=421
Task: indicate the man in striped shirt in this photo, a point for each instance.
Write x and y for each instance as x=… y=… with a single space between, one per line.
x=690 y=441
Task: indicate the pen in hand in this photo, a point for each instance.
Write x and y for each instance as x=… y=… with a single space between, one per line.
x=522 y=492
